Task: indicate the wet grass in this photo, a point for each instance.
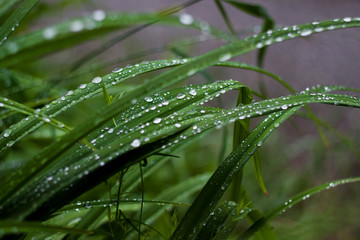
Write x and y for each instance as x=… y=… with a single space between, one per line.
x=136 y=153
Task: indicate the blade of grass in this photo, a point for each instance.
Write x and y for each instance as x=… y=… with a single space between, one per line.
x=206 y=201
x=11 y=227
x=281 y=208
x=15 y=18
x=225 y=16
x=69 y=33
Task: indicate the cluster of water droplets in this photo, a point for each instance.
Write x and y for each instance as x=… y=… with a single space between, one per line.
x=279 y=35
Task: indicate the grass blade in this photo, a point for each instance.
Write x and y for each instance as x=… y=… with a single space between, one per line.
x=204 y=204
x=11 y=227
x=281 y=208
x=15 y=18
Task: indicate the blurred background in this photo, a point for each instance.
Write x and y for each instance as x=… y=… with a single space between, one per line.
x=295 y=158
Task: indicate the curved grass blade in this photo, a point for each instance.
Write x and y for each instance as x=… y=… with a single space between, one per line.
x=69 y=33
x=220 y=219
x=132 y=203
x=11 y=227
x=238 y=47
x=179 y=100
x=84 y=91
x=21 y=108
x=127 y=34
x=247 y=111
x=241 y=131
x=129 y=155
x=171 y=77
x=15 y=18
x=179 y=192
x=181 y=72
x=200 y=210
x=281 y=208
x=5 y=5
x=256 y=11
x=225 y=16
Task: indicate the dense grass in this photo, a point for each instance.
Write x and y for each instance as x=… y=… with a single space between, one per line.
x=130 y=154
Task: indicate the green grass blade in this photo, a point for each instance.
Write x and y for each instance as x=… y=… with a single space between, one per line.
x=181 y=72
x=127 y=34
x=281 y=208
x=69 y=33
x=221 y=222
x=204 y=204
x=84 y=91
x=5 y=5
x=225 y=16
x=11 y=227
x=241 y=131
x=260 y=12
x=43 y=168
x=15 y=18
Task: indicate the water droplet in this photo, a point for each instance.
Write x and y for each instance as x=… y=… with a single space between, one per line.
x=7 y=132
x=49 y=33
x=193 y=92
x=76 y=26
x=347 y=19
x=186 y=19
x=305 y=33
x=180 y=96
x=2 y=105
x=46 y=119
x=136 y=143
x=99 y=15
x=284 y=107
x=259 y=143
x=165 y=103
x=191 y=72
x=178 y=125
x=224 y=57
x=319 y=29
x=157 y=120
x=82 y=86
x=97 y=80
x=148 y=99
x=259 y=45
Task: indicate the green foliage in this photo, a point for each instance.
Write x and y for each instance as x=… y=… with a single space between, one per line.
x=85 y=162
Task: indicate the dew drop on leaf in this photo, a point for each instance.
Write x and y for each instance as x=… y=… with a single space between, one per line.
x=157 y=120
x=99 y=15
x=284 y=107
x=97 y=80
x=148 y=99
x=7 y=133
x=180 y=96
x=186 y=19
x=136 y=143
x=224 y=57
x=193 y=92
x=305 y=33
x=49 y=33
x=76 y=26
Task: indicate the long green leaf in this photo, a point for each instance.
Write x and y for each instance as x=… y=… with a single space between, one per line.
x=281 y=208
x=11 y=227
x=13 y=21
x=204 y=204
x=72 y=32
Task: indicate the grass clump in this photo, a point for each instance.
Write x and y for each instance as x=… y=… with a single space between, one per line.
x=90 y=153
